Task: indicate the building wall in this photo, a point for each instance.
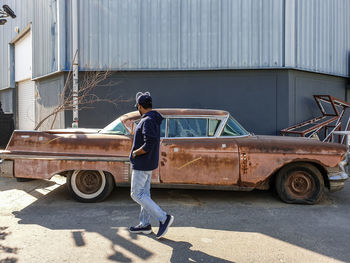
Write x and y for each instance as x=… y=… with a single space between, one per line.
x=184 y=35
x=263 y=101
x=7 y=100
x=209 y=35
x=48 y=97
x=321 y=36
x=179 y=34
x=45 y=29
x=41 y=16
x=212 y=34
x=302 y=85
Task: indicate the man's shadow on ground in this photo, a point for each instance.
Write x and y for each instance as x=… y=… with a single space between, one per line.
x=182 y=252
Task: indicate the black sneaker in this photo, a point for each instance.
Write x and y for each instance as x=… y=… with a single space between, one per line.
x=163 y=228
x=141 y=229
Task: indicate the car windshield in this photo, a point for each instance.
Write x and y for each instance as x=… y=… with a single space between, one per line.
x=116 y=127
x=233 y=128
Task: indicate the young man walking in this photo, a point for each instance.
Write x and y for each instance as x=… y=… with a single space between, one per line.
x=144 y=157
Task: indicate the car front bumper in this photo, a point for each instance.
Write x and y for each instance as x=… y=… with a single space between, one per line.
x=338 y=176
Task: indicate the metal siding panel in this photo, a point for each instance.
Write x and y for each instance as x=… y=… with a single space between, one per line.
x=26 y=105
x=24 y=11
x=178 y=34
x=322 y=36
x=290 y=31
x=6 y=98
x=213 y=34
x=45 y=37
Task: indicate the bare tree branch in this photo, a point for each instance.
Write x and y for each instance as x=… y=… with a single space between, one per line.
x=86 y=95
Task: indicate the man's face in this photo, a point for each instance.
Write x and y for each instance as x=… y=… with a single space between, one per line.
x=139 y=108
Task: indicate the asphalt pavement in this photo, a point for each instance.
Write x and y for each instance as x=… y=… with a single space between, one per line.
x=40 y=222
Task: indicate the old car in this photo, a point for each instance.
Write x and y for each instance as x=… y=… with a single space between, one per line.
x=199 y=149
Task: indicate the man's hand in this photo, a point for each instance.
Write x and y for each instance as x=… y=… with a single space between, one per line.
x=137 y=152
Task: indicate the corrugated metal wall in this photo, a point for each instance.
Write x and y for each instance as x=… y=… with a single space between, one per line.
x=185 y=35
x=318 y=35
x=42 y=15
x=179 y=34
x=24 y=13
x=45 y=37
x=213 y=34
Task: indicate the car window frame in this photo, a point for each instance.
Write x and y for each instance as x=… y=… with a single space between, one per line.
x=223 y=127
x=214 y=117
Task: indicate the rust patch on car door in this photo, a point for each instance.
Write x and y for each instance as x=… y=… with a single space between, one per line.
x=199 y=161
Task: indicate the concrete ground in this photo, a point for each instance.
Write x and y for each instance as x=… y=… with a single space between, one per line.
x=39 y=222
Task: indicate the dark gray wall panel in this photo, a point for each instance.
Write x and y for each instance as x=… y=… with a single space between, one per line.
x=6 y=98
x=304 y=85
x=263 y=101
x=47 y=99
x=250 y=96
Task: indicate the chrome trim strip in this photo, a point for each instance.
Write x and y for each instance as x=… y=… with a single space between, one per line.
x=221 y=137
x=166 y=127
x=64 y=158
x=194 y=116
x=193 y=186
x=337 y=176
x=223 y=126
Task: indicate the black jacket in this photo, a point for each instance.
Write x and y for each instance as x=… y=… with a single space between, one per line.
x=147 y=136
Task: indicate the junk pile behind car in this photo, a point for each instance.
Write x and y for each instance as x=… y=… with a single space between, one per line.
x=327 y=125
x=7 y=127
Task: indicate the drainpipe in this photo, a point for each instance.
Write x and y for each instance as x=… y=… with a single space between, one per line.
x=75 y=64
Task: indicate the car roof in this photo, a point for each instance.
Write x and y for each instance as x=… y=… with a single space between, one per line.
x=179 y=112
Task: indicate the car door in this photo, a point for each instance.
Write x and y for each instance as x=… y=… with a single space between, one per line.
x=191 y=153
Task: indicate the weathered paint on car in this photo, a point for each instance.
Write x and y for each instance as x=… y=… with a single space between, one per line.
x=241 y=162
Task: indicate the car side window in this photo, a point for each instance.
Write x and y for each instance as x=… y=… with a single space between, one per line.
x=187 y=127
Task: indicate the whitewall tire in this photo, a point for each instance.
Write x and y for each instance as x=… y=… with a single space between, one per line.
x=90 y=186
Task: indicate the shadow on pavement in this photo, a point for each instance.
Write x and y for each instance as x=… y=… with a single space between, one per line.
x=4 y=249
x=309 y=227
x=27 y=186
x=182 y=252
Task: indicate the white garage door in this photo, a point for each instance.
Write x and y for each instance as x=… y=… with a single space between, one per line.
x=26 y=105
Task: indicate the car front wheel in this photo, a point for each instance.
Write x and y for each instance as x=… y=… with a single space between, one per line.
x=90 y=186
x=299 y=183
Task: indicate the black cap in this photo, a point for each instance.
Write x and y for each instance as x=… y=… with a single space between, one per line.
x=143 y=98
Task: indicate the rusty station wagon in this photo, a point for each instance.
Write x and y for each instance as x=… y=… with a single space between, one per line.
x=199 y=149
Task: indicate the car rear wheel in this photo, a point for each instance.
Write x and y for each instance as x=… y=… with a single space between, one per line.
x=299 y=183
x=90 y=186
